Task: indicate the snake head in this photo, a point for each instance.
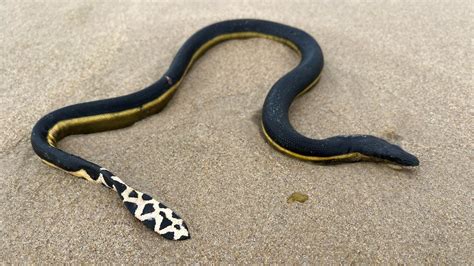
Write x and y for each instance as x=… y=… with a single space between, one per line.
x=381 y=149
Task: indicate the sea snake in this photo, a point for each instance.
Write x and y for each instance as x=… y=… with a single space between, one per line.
x=123 y=111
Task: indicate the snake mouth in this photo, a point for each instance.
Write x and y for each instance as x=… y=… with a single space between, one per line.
x=403 y=158
x=399 y=157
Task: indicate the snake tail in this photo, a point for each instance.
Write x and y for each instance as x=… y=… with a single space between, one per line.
x=152 y=213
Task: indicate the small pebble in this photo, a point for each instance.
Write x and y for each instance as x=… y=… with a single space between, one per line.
x=298 y=197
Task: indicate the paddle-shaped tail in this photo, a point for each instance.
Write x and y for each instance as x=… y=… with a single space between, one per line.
x=150 y=212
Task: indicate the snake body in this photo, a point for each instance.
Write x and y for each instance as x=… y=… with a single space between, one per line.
x=124 y=111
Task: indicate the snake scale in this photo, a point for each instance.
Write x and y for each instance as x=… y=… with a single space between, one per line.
x=123 y=111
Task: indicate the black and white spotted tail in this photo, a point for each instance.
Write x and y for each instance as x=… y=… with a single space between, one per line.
x=151 y=213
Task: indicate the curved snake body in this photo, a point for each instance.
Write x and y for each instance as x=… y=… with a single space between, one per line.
x=123 y=111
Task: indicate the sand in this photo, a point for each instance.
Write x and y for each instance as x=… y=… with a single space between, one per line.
x=399 y=70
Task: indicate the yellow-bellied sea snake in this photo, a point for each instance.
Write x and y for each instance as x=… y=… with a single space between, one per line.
x=123 y=111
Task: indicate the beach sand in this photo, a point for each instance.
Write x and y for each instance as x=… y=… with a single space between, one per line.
x=398 y=70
